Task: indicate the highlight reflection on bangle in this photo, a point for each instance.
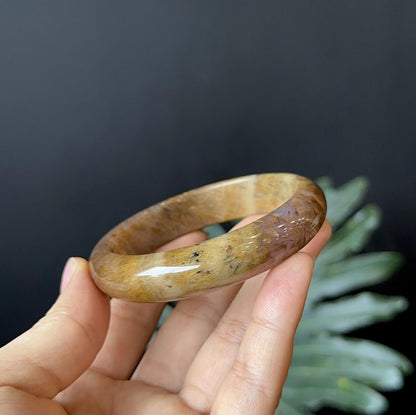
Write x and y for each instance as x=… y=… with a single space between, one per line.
x=123 y=265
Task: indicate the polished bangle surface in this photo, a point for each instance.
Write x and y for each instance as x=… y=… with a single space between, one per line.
x=123 y=265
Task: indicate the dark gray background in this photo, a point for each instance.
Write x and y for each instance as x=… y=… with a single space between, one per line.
x=107 y=107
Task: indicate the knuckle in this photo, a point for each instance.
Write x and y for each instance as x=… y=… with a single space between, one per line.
x=200 y=308
x=249 y=374
x=231 y=330
x=265 y=323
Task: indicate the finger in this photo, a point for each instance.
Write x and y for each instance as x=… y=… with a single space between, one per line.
x=132 y=325
x=186 y=329
x=14 y=401
x=216 y=356
x=314 y=247
x=61 y=346
x=218 y=353
x=255 y=381
x=179 y=339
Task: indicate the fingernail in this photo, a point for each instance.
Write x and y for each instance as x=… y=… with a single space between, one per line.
x=67 y=272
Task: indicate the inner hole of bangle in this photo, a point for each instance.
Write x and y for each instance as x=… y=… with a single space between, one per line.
x=148 y=230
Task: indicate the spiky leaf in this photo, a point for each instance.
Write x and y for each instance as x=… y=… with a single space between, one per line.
x=352 y=236
x=381 y=375
x=338 y=392
x=330 y=370
x=350 y=313
x=286 y=408
x=354 y=273
x=214 y=230
x=333 y=370
x=343 y=201
x=339 y=347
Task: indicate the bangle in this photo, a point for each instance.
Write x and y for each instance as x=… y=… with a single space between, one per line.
x=123 y=265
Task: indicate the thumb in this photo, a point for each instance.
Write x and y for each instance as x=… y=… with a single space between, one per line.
x=61 y=346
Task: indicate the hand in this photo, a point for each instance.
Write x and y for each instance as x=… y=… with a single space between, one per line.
x=226 y=352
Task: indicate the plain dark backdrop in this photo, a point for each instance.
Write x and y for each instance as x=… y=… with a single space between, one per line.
x=107 y=107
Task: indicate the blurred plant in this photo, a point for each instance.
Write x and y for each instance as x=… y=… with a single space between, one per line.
x=328 y=368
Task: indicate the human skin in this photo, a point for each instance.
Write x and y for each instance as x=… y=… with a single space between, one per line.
x=225 y=352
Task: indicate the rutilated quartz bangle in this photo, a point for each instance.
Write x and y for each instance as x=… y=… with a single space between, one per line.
x=123 y=265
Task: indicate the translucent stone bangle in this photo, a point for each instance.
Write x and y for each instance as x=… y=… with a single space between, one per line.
x=123 y=265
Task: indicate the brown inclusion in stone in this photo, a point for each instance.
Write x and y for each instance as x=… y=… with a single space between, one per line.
x=123 y=265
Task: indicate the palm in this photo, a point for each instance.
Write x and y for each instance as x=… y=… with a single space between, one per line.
x=184 y=367
x=224 y=352
x=95 y=393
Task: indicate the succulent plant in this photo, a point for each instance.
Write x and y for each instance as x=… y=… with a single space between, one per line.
x=328 y=368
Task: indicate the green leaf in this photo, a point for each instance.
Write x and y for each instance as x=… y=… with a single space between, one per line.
x=353 y=273
x=165 y=314
x=325 y=183
x=381 y=375
x=338 y=392
x=343 y=201
x=214 y=230
x=352 y=236
x=352 y=312
x=340 y=347
x=286 y=408
x=331 y=370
